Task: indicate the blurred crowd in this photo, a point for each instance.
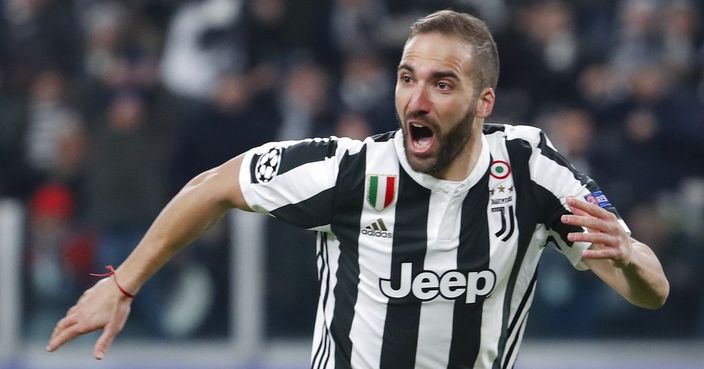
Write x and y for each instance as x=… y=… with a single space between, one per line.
x=108 y=107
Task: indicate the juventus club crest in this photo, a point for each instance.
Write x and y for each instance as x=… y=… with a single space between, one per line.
x=381 y=190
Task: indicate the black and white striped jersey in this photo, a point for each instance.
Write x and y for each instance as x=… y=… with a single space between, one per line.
x=418 y=272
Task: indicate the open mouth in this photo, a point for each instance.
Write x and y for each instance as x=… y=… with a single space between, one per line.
x=421 y=136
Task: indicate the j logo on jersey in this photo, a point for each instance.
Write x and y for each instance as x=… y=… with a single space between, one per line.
x=501 y=197
x=381 y=191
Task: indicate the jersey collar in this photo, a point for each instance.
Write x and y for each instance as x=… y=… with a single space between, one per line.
x=433 y=183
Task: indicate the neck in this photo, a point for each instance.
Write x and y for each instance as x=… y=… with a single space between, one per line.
x=468 y=157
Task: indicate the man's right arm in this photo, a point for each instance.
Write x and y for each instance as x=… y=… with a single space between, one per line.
x=201 y=203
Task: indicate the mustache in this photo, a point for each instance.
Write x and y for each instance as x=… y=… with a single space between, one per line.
x=416 y=114
x=420 y=116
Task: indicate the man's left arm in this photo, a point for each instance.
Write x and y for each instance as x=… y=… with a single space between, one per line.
x=630 y=267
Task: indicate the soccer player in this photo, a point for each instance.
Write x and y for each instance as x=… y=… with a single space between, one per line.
x=428 y=237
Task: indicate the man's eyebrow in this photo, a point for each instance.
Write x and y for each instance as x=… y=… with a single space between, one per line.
x=436 y=75
x=406 y=67
x=445 y=74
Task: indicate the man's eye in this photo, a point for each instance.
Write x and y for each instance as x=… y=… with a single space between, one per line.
x=405 y=79
x=443 y=85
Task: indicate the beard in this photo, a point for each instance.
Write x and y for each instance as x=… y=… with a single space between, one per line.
x=450 y=145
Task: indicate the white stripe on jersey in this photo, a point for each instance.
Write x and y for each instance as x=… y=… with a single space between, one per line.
x=367 y=330
x=501 y=257
x=299 y=183
x=435 y=326
x=323 y=345
x=443 y=231
x=523 y=283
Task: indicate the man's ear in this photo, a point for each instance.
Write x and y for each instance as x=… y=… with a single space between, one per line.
x=485 y=102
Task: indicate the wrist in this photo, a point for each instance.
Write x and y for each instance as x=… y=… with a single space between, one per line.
x=113 y=275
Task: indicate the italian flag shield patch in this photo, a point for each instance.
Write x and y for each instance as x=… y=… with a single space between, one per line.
x=381 y=191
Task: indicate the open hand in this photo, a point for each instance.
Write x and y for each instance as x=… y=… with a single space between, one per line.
x=100 y=307
x=608 y=238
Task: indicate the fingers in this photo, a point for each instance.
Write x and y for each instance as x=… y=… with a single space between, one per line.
x=63 y=335
x=589 y=208
x=104 y=342
x=111 y=330
x=588 y=221
x=59 y=330
x=63 y=324
x=63 y=331
x=590 y=216
x=577 y=211
x=602 y=254
x=592 y=237
x=608 y=239
x=67 y=321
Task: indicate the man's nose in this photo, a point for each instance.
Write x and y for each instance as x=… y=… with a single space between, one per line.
x=420 y=102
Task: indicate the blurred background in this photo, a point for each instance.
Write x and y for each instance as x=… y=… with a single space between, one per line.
x=107 y=108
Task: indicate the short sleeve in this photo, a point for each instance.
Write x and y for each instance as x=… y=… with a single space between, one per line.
x=556 y=179
x=294 y=180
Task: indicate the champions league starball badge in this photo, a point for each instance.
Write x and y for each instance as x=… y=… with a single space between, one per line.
x=268 y=165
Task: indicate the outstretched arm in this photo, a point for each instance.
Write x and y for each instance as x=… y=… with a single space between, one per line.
x=628 y=266
x=202 y=202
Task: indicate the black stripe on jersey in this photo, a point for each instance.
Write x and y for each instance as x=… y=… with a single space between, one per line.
x=555 y=156
x=320 y=255
x=524 y=301
x=328 y=344
x=552 y=213
x=325 y=291
x=315 y=364
x=400 y=339
x=306 y=152
x=383 y=137
x=489 y=128
x=584 y=179
x=514 y=342
x=527 y=215
x=503 y=220
x=326 y=262
x=472 y=256
x=253 y=168
x=512 y=226
x=309 y=213
x=322 y=361
x=345 y=225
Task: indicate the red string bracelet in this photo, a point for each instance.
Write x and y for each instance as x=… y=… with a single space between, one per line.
x=111 y=273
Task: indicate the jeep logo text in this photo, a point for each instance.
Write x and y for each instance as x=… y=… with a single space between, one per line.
x=427 y=285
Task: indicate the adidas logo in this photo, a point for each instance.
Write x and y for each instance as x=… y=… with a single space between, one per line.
x=377 y=229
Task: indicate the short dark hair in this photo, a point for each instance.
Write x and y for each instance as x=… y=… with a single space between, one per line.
x=475 y=32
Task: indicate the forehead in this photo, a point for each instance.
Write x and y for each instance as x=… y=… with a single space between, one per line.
x=434 y=51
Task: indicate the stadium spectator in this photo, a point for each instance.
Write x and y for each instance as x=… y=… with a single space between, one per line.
x=304 y=103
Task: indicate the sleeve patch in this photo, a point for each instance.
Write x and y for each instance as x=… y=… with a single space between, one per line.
x=598 y=198
x=267 y=165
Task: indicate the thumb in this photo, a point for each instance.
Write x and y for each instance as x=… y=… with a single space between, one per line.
x=104 y=342
x=109 y=333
